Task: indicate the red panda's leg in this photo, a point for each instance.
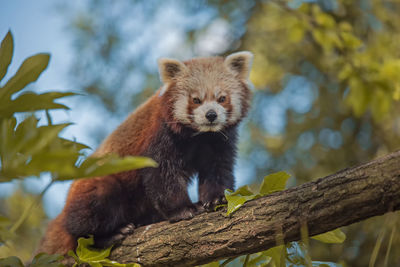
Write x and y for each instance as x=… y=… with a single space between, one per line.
x=107 y=241
x=57 y=240
x=167 y=190
x=214 y=180
x=94 y=207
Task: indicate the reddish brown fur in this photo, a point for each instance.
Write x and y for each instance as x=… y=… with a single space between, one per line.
x=56 y=232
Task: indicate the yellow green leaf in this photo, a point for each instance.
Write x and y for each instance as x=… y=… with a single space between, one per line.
x=277 y=254
x=350 y=41
x=396 y=93
x=6 y=52
x=27 y=73
x=380 y=103
x=325 y=20
x=335 y=236
x=85 y=253
x=109 y=164
x=296 y=32
x=43 y=259
x=31 y=101
x=11 y=262
x=238 y=198
x=274 y=182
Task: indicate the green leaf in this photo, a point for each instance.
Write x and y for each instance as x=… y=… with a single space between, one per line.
x=238 y=198
x=380 y=103
x=325 y=20
x=11 y=262
x=72 y=144
x=46 y=135
x=271 y=183
x=43 y=259
x=350 y=41
x=94 y=257
x=259 y=259
x=110 y=164
x=296 y=32
x=31 y=101
x=6 y=52
x=61 y=163
x=358 y=96
x=87 y=254
x=28 y=72
x=335 y=236
x=278 y=254
x=274 y=182
x=4 y=229
x=30 y=150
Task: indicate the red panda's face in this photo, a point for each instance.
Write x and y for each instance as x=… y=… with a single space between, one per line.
x=207 y=94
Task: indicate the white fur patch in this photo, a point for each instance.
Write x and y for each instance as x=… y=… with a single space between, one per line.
x=202 y=122
x=236 y=107
x=180 y=108
x=163 y=90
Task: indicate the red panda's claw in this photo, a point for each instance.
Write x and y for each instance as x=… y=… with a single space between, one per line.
x=127 y=229
x=210 y=205
x=185 y=214
x=116 y=238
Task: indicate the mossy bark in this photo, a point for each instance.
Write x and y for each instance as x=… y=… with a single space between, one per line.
x=349 y=196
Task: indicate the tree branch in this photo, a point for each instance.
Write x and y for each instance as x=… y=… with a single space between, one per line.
x=349 y=196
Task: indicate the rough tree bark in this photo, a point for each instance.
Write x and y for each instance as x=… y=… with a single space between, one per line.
x=349 y=196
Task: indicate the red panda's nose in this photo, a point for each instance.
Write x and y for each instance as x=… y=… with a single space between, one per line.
x=211 y=115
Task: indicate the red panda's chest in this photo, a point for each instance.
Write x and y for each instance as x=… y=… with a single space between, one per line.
x=192 y=152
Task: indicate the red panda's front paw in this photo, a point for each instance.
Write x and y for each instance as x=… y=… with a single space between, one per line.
x=116 y=238
x=211 y=204
x=127 y=229
x=184 y=214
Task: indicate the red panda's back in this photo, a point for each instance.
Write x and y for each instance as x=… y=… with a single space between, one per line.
x=133 y=136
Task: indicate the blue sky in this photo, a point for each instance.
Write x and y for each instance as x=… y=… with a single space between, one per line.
x=37 y=27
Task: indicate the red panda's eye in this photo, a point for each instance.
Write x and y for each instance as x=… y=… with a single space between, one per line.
x=196 y=100
x=221 y=99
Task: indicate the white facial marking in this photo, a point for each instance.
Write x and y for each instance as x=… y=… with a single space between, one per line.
x=163 y=89
x=236 y=107
x=180 y=108
x=217 y=91
x=203 y=124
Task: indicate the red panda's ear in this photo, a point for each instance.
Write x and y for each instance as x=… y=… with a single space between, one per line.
x=240 y=63
x=170 y=69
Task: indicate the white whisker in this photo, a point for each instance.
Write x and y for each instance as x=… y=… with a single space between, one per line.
x=224 y=135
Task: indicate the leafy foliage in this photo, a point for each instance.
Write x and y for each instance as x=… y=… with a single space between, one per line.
x=335 y=236
x=43 y=259
x=27 y=149
x=11 y=261
x=94 y=257
x=271 y=183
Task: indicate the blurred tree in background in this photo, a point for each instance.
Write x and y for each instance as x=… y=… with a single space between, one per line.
x=326 y=75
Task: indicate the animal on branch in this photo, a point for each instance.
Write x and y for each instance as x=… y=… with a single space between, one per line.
x=189 y=127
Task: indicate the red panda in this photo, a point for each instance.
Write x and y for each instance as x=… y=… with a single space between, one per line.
x=189 y=127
